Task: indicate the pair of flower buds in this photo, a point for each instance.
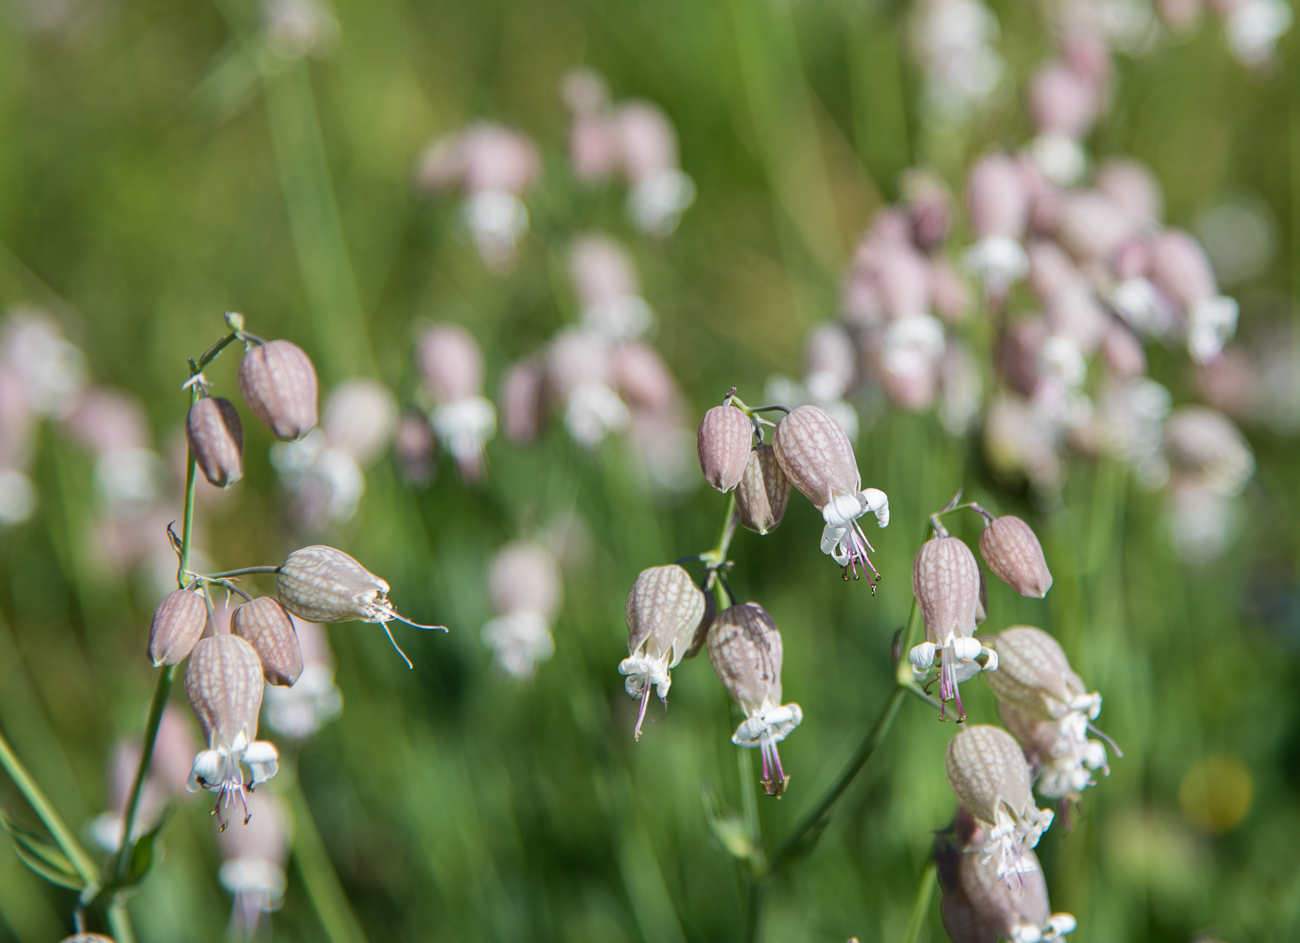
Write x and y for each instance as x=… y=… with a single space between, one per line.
x=669 y=618
x=981 y=906
x=808 y=450
x=951 y=594
x=224 y=677
x=279 y=385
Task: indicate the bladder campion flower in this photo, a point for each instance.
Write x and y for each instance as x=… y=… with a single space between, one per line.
x=946 y=581
x=989 y=776
x=663 y=611
x=223 y=682
x=745 y=650
x=817 y=457
x=322 y=584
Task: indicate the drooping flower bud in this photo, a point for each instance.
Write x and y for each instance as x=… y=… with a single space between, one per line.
x=1048 y=708
x=1012 y=551
x=177 y=626
x=989 y=775
x=982 y=905
x=322 y=584
x=278 y=383
x=265 y=625
x=216 y=438
x=1207 y=445
x=360 y=418
x=946 y=582
x=521 y=402
x=663 y=612
x=999 y=202
x=745 y=651
x=818 y=459
x=223 y=683
x=525 y=587
x=450 y=362
x=763 y=492
x=723 y=441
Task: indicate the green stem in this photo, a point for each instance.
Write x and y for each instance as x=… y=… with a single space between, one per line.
x=318 y=876
x=922 y=906
x=244 y=571
x=749 y=806
x=814 y=819
x=753 y=912
x=59 y=831
x=119 y=924
x=122 y=862
x=718 y=555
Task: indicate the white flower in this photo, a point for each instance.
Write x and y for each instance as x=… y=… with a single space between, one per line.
x=220 y=769
x=1210 y=324
x=1067 y=767
x=842 y=538
x=17 y=497
x=255 y=878
x=622 y=319
x=1254 y=29
x=593 y=412
x=465 y=426
x=999 y=260
x=655 y=205
x=958 y=662
x=519 y=640
x=497 y=219
x=128 y=480
x=1059 y=157
x=765 y=728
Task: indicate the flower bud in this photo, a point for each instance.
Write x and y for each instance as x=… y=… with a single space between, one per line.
x=322 y=584
x=996 y=907
x=1207 y=444
x=1180 y=268
x=450 y=362
x=360 y=418
x=1091 y=226
x=745 y=651
x=641 y=377
x=1133 y=188
x=278 y=383
x=989 y=775
x=177 y=625
x=521 y=402
x=223 y=683
x=216 y=438
x=413 y=447
x=723 y=441
x=525 y=577
x=763 y=492
x=1062 y=102
x=1012 y=551
x=1122 y=353
x=265 y=625
x=1034 y=676
x=997 y=198
x=816 y=455
x=663 y=612
x=946 y=581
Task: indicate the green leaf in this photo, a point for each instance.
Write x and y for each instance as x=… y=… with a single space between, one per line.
x=41 y=855
x=726 y=825
x=143 y=856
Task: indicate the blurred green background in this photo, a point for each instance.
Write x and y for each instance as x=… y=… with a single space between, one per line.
x=157 y=169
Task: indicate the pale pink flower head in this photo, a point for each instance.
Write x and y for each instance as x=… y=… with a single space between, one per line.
x=949 y=292
x=584 y=91
x=1181 y=16
x=1122 y=353
x=929 y=206
x=997 y=198
x=360 y=417
x=1062 y=101
x=498 y=159
x=647 y=140
x=601 y=270
x=521 y=401
x=1091 y=226
x=830 y=362
x=1076 y=314
x=642 y=378
x=413 y=447
x=107 y=421
x=1133 y=188
x=904 y=280
x=1181 y=269
x=1051 y=270
x=450 y=362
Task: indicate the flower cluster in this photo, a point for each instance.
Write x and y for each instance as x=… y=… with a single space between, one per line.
x=526 y=591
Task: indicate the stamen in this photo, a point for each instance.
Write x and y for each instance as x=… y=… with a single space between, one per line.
x=645 y=699
x=396 y=646
x=1101 y=733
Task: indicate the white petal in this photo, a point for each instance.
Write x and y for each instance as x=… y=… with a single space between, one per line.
x=843 y=509
x=878 y=504
x=922 y=656
x=262 y=759
x=207 y=767
x=966 y=649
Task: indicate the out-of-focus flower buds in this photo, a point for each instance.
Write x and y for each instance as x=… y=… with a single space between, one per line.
x=322 y=584
x=87 y=938
x=745 y=651
x=413 y=447
x=763 y=492
x=997 y=199
x=177 y=626
x=989 y=775
x=216 y=438
x=223 y=683
x=1091 y=226
x=816 y=456
x=724 y=440
x=521 y=402
x=525 y=575
x=1204 y=443
x=265 y=625
x=360 y=417
x=1012 y=551
x=982 y=905
x=254 y=858
x=946 y=582
x=1134 y=190
x=663 y=612
x=314 y=700
x=450 y=362
x=929 y=205
x=278 y=383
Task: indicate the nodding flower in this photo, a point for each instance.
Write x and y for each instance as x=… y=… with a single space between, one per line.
x=989 y=775
x=818 y=458
x=1048 y=708
x=663 y=612
x=223 y=682
x=745 y=650
x=946 y=582
x=979 y=906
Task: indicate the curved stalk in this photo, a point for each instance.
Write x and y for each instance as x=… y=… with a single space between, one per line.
x=41 y=805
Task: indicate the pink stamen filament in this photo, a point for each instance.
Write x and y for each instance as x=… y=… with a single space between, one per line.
x=774 y=785
x=857 y=545
x=640 y=718
x=948 y=687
